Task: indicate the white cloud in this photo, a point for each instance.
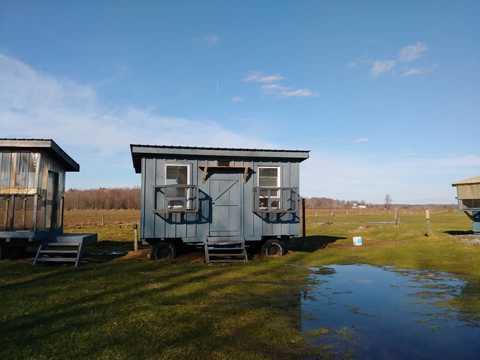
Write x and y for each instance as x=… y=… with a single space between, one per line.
x=211 y=39
x=380 y=67
x=35 y=104
x=237 y=99
x=417 y=71
x=258 y=77
x=361 y=140
x=407 y=54
x=297 y=93
x=271 y=86
x=412 y=52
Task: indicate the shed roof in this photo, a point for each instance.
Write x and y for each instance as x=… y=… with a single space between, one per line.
x=42 y=144
x=139 y=151
x=469 y=181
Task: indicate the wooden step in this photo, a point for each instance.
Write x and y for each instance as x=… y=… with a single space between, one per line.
x=58 y=251
x=56 y=259
x=222 y=254
x=62 y=244
x=224 y=248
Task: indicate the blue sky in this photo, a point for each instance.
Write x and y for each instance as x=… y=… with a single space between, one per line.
x=385 y=94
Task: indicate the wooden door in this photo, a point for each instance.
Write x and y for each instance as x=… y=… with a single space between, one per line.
x=52 y=200
x=226 y=194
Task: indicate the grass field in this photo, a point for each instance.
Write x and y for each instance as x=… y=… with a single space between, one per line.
x=135 y=308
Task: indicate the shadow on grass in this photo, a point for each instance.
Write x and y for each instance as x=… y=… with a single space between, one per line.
x=142 y=309
x=313 y=243
x=459 y=232
x=107 y=250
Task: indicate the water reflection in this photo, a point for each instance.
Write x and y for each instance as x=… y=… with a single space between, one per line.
x=369 y=312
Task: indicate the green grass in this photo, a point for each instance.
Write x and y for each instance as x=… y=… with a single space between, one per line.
x=137 y=308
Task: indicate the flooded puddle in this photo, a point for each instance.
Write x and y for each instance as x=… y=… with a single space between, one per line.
x=367 y=312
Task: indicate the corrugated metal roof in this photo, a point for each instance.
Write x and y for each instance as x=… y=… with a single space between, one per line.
x=214 y=148
x=469 y=181
x=46 y=144
x=168 y=151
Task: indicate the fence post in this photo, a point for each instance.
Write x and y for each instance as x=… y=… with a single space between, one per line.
x=135 y=237
x=103 y=220
x=397 y=218
x=304 y=220
x=428 y=223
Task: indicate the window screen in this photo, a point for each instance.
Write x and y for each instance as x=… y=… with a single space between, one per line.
x=176 y=175
x=269 y=178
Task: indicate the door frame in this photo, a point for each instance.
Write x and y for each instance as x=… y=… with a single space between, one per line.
x=54 y=201
x=239 y=177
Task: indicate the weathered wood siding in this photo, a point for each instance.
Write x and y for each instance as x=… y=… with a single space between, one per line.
x=470 y=191
x=195 y=228
x=23 y=189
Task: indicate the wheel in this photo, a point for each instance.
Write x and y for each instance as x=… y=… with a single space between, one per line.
x=163 y=251
x=273 y=248
x=2 y=251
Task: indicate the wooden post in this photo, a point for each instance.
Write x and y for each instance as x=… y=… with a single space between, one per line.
x=135 y=237
x=103 y=220
x=428 y=223
x=11 y=214
x=7 y=207
x=397 y=218
x=62 y=221
x=24 y=219
x=304 y=220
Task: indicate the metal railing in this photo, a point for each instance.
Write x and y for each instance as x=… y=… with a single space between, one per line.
x=275 y=199
x=176 y=199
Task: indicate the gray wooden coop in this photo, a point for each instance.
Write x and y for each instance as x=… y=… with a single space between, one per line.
x=222 y=199
x=32 y=184
x=468 y=195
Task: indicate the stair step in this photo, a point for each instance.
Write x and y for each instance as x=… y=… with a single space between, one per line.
x=65 y=244
x=224 y=248
x=233 y=255
x=56 y=259
x=226 y=261
x=58 y=251
x=224 y=244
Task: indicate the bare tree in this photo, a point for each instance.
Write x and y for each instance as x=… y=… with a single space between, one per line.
x=388 y=201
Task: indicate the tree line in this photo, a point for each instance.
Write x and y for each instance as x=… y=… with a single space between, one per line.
x=129 y=198
x=109 y=199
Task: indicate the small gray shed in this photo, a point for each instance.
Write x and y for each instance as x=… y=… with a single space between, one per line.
x=222 y=199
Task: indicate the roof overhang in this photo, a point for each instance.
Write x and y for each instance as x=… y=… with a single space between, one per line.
x=47 y=145
x=470 y=181
x=194 y=152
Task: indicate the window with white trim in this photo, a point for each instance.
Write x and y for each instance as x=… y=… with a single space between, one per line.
x=177 y=174
x=269 y=177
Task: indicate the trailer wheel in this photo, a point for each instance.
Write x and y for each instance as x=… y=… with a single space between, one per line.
x=2 y=252
x=273 y=248
x=163 y=251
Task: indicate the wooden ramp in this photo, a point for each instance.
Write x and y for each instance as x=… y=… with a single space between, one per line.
x=66 y=248
x=225 y=250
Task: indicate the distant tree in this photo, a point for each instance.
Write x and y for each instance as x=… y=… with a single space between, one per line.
x=388 y=201
x=119 y=198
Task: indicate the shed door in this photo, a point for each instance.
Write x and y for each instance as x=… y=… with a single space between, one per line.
x=226 y=193
x=52 y=203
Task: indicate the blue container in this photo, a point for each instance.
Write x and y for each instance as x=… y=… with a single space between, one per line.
x=476 y=227
x=357 y=241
